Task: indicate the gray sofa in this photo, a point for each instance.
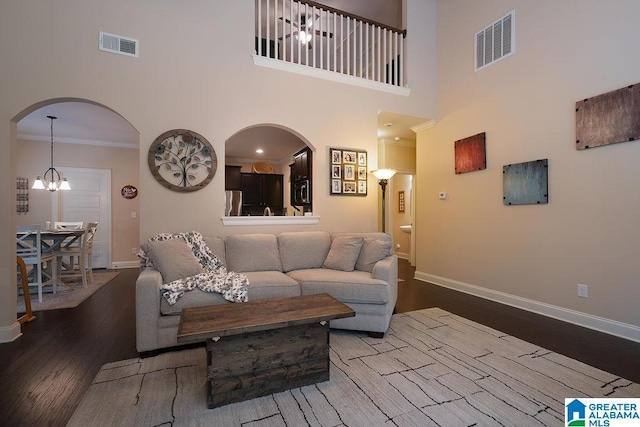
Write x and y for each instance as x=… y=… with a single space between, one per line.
x=287 y=264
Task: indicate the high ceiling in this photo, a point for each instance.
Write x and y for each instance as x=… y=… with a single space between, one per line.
x=84 y=123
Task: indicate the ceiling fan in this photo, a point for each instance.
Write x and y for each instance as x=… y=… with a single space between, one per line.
x=304 y=32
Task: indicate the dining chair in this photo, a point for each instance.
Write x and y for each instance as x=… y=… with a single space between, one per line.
x=68 y=225
x=80 y=257
x=29 y=248
x=24 y=282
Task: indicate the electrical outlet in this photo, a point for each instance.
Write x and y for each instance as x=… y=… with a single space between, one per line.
x=583 y=291
x=134 y=251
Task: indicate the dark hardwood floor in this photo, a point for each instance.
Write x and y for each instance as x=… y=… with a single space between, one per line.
x=44 y=373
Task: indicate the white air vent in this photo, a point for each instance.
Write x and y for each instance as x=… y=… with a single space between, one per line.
x=118 y=44
x=496 y=41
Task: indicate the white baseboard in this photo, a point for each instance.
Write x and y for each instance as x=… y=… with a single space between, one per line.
x=125 y=264
x=612 y=327
x=10 y=333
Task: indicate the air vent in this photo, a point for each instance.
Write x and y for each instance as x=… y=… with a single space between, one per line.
x=496 y=41
x=118 y=44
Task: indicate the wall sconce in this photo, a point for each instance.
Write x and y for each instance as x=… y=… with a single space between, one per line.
x=383 y=176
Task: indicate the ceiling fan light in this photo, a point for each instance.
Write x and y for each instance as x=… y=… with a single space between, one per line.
x=304 y=37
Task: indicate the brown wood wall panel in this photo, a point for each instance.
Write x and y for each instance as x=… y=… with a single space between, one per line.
x=608 y=118
x=470 y=153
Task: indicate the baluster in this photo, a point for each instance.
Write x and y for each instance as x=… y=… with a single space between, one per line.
x=259 y=24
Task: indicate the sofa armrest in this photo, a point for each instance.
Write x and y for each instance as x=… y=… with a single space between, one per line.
x=147 y=309
x=387 y=269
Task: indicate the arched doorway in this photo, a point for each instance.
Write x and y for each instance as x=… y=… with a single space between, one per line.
x=100 y=149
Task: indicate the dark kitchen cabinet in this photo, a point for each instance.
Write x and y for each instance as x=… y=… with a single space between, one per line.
x=260 y=191
x=301 y=180
x=232 y=177
x=302 y=165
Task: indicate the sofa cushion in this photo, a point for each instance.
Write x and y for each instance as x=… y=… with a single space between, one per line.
x=373 y=250
x=343 y=253
x=347 y=287
x=173 y=258
x=262 y=285
x=271 y=284
x=193 y=298
x=303 y=249
x=252 y=252
x=216 y=244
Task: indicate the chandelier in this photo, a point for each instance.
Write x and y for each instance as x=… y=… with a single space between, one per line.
x=51 y=180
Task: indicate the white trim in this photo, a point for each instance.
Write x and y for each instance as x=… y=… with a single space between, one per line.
x=117 y=265
x=269 y=220
x=424 y=126
x=612 y=327
x=329 y=75
x=79 y=141
x=10 y=333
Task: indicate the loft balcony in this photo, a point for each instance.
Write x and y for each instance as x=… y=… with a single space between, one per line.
x=309 y=38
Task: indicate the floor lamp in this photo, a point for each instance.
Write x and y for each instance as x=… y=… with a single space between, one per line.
x=383 y=176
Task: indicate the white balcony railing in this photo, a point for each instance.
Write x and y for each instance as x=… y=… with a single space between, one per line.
x=311 y=35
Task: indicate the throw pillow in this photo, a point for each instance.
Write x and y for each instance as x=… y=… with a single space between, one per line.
x=373 y=250
x=172 y=258
x=343 y=253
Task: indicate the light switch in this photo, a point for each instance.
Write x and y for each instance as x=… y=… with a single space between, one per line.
x=134 y=215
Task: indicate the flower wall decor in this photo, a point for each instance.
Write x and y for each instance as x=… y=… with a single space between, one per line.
x=182 y=160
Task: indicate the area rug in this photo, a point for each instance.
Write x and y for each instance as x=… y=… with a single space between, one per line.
x=68 y=296
x=432 y=368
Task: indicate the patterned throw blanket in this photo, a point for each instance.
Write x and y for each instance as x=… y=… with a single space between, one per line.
x=215 y=278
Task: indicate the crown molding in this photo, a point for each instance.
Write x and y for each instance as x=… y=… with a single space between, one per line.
x=424 y=126
x=79 y=141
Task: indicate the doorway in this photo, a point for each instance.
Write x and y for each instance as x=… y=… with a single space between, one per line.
x=90 y=201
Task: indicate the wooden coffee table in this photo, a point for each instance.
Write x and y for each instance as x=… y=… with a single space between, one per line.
x=263 y=347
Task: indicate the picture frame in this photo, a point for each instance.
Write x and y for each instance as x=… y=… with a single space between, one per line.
x=401 y=201
x=336 y=157
x=348 y=187
x=349 y=156
x=348 y=172
x=336 y=186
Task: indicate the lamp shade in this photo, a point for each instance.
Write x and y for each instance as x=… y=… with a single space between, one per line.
x=383 y=173
x=38 y=184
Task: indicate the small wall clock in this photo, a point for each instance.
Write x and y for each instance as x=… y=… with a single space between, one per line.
x=182 y=160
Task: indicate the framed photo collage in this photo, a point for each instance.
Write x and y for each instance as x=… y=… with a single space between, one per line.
x=348 y=172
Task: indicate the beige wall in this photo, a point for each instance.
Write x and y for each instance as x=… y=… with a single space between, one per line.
x=535 y=255
x=195 y=71
x=32 y=159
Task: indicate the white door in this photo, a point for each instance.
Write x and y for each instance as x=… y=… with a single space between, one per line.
x=89 y=200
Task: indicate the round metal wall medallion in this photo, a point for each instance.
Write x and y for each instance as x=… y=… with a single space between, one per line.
x=182 y=160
